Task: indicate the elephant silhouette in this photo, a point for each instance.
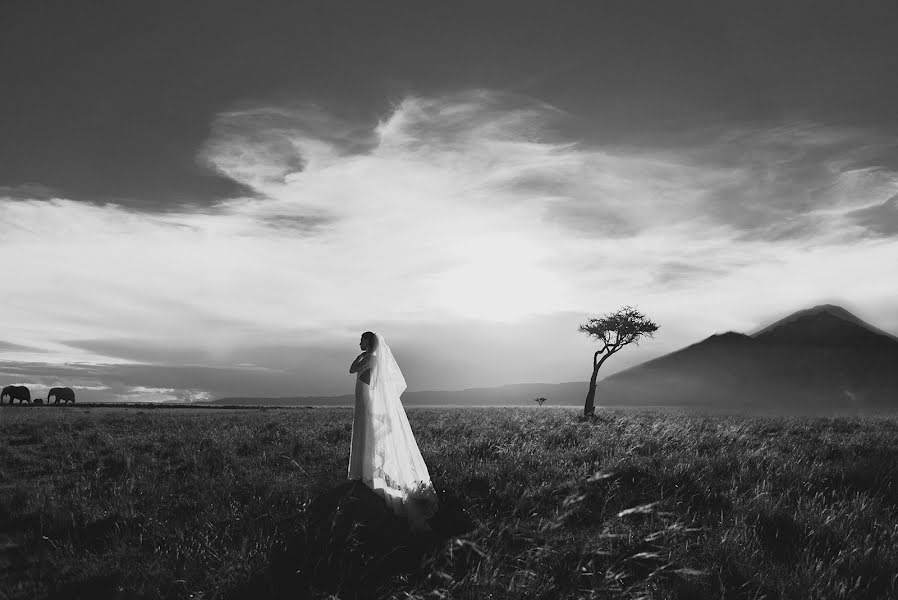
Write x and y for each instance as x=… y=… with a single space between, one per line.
x=61 y=393
x=38 y=401
x=16 y=392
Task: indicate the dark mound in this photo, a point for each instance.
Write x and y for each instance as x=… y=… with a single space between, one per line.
x=351 y=544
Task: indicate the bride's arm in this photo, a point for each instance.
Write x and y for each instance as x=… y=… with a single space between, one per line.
x=360 y=363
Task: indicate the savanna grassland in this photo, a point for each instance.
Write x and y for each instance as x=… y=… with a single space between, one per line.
x=133 y=503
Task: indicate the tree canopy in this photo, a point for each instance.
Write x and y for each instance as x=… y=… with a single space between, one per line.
x=618 y=329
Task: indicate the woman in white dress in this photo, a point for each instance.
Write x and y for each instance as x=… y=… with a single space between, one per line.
x=383 y=453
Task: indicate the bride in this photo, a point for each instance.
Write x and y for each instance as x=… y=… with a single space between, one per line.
x=383 y=452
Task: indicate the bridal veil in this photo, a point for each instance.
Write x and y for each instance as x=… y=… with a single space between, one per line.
x=398 y=472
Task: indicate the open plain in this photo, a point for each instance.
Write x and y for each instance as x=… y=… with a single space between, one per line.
x=140 y=503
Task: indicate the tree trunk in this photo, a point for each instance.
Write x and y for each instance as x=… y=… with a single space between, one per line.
x=589 y=408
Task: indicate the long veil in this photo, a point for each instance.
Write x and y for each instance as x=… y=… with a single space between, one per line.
x=399 y=473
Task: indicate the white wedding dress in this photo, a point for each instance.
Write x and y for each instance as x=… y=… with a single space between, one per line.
x=383 y=452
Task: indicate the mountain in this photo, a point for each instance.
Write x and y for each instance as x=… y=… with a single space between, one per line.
x=819 y=359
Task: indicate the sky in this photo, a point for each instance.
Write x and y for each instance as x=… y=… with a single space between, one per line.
x=212 y=199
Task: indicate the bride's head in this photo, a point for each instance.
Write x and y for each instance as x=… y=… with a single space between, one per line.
x=368 y=341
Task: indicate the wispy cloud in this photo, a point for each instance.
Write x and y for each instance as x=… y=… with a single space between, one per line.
x=879 y=219
x=471 y=208
x=798 y=181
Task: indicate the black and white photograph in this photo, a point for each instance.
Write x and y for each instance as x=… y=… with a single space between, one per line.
x=462 y=300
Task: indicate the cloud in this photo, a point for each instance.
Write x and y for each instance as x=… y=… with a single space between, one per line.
x=880 y=219
x=797 y=181
x=456 y=215
x=682 y=274
x=28 y=191
x=7 y=347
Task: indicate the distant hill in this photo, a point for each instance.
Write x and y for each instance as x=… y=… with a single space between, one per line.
x=516 y=394
x=821 y=359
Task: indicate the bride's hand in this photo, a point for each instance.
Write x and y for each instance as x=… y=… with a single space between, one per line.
x=359 y=360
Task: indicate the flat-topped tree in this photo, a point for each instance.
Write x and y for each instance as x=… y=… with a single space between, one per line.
x=614 y=331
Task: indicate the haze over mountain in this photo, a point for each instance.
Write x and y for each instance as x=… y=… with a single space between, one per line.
x=819 y=359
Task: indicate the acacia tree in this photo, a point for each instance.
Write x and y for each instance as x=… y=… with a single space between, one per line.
x=615 y=330
x=540 y=400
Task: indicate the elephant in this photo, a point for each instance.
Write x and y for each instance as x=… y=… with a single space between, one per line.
x=16 y=392
x=61 y=393
x=38 y=401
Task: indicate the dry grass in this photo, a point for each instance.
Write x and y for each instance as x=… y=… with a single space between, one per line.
x=190 y=504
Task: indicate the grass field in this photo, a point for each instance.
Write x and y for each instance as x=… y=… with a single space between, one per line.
x=193 y=503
